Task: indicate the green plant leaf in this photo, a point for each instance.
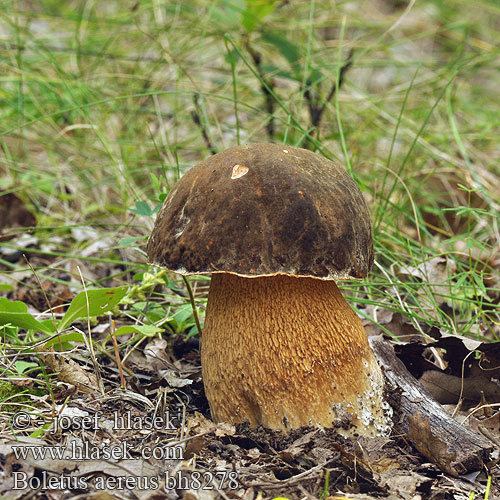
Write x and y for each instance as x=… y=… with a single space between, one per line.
x=12 y=306
x=16 y=314
x=22 y=320
x=228 y=13
x=182 y=319
x=49 y=325
x=287 y=49
x=99 y=302
x=232 y=56
x=183 y=313
x=153 y=311
x=146 y=330
x=23 y=366
x=130 y=240
x=5 y=287
x=10 y=332
x=255 y=12
x=142 y=208
x=64 y=338
x=275 y=71
x=155 y=181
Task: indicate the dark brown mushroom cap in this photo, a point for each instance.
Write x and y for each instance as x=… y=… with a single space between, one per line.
x=262 y=210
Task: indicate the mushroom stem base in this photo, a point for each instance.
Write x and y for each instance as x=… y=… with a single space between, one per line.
x=285 y=352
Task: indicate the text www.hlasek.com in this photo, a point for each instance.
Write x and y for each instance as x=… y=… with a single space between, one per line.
x=85 y=451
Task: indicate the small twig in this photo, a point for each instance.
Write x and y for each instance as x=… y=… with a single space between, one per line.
x=343 y=71
x=90 y=341
x=44 y=294
x=305 y=492
x=316 y=108
x=184 y=417
x=488 y=434
x=462 y=381
x=294 y=479
x=196 y=116
x=117 y=354
x=478 y=408
x=193 y=305
x=103 y=351
x=267 y=87
x=222 y=494
x=129 y=352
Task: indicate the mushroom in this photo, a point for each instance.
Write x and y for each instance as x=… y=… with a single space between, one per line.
x=275 y=226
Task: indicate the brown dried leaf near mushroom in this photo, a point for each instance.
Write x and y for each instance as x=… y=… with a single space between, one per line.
x=276 y=225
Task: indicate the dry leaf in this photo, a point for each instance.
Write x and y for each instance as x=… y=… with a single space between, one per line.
x=173 y=380
x=448 y=389
x=69 y=371
x=404 y=482
x=13 y=215
x=156 y=356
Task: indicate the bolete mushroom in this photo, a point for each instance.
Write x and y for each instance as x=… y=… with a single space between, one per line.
x=275 y=226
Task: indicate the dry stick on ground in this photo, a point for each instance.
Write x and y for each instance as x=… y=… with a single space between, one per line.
x=455 y=449
x=266 y=86
x=315 y=103
x=294 y=479
x=196 y=115
x=117 y=354
x=44 y=295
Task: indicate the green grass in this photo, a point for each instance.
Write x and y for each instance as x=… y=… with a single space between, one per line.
x=98 y=101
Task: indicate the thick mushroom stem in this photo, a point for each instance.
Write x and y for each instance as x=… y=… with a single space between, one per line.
x=284 y=352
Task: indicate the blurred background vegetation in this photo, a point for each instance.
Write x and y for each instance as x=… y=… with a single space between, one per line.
x=105 y=104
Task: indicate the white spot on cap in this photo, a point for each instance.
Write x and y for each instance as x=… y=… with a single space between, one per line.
x=239 y=171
